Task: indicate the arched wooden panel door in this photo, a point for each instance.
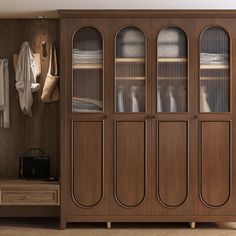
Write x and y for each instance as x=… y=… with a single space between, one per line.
x=89 y=125
x=215 y=119
x=171 y=123
x=130 y=125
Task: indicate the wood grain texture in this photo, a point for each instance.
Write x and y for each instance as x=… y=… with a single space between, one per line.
x=130 y=173
x=15 y=192
x=119 y=144
x=88 y=163
x=23 y=198
x=68 y=205
x=42 y=130
x=215 y=163
x=172 y=163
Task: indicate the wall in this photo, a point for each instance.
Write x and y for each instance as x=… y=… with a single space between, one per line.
x=42 y=130
x=34 y=8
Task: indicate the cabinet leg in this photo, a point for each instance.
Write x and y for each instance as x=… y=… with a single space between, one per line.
x=62 y=224
x=192 y=225
x=108 y=225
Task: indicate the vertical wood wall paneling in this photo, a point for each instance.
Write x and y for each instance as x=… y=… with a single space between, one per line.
x=42 y=130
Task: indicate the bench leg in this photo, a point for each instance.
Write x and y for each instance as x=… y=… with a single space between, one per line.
x=192 y=225
x=108 y=225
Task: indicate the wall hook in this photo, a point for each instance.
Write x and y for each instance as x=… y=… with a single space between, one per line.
x=44 y=45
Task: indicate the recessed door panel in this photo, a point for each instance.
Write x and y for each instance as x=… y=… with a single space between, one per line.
x=130 y=163
x=87 y=163
x=172 y=170
x=215 y=163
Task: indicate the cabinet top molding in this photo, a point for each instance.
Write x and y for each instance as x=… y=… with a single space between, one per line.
x=147 y=13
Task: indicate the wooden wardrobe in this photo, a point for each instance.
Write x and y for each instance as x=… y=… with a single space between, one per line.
x=147 y=116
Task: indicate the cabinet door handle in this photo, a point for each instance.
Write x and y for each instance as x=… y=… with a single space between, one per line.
x=105 y=117
x=195 y=117
x=149 y=117
x=153 y=116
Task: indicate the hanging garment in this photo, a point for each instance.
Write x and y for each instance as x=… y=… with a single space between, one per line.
x=134 y=100
x=4 y=94
x=159 y=102
x=172 y=103
x=26 y=78
x=204 y=106
x=120 y=99
x=37 y=60
x=50 y=89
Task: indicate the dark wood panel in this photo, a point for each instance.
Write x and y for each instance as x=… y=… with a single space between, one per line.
x=172 y=163
x=148 y=13
x=215 y=163
x=29 y=211
x=130 y=163
x=87 y=163
x=42 y=130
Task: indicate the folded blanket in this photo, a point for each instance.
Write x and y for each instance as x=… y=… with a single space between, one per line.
x=171 y=35
x=214 y=59
x=4 y=95
x=87 y=61
x=86 y=105
x=82 y=57
x=81 y=52
x=130 y=35
x=133 y=50
x=169 y=50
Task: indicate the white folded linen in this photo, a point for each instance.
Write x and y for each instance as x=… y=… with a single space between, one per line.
x=81 y=52
x=133 y=50
x=168 y=50
x=130 y=35
x=86 y=61
x=88 y=57
x=170 y=35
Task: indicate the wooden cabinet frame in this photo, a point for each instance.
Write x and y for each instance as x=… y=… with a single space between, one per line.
x=152 y=207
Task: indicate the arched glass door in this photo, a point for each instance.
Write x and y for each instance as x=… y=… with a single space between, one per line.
x=214 y=70
x=172 y=70
x=130 y=71
x=87 y=65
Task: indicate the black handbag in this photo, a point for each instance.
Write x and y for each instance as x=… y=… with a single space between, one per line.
x=35 y=166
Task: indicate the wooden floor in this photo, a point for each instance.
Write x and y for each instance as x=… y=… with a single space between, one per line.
x=49 y=227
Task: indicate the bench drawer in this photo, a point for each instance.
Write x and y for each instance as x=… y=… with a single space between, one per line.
x=28 y=197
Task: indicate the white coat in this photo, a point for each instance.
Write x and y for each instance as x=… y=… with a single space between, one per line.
x=26 y=78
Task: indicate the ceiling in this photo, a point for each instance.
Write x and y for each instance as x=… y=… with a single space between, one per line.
x=48 y=8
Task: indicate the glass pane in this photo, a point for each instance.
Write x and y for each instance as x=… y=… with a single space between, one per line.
x=214 y=70
x=130 y=75
x=87 y=60
x=172 y=70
